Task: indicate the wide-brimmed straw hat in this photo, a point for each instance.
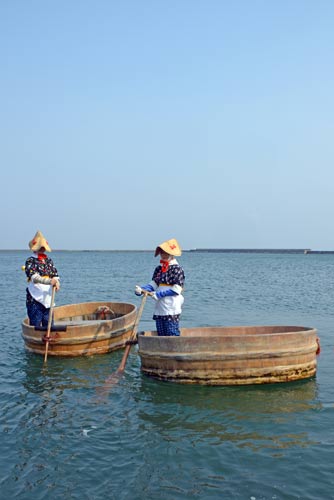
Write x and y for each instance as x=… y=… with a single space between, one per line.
x=38 y=242
x=170 y=246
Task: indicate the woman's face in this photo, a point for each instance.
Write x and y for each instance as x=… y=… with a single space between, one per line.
x=41 y=250
x=165 y=256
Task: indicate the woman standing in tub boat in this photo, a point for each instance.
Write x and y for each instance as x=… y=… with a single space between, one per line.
x=166 y=289
x=42 y=276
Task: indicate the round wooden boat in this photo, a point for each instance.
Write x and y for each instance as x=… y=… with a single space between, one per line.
x=83 y=329
x=235 y=355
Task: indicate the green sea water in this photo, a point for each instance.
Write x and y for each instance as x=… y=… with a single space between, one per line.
x=146 y=439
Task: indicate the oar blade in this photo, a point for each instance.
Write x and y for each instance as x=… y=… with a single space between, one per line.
x=115 y=377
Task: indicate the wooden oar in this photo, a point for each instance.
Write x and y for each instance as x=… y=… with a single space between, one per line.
x=113 y=378
x=133 y=336
x=49 y=324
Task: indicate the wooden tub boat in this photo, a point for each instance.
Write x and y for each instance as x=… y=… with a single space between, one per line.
x=235 y=355
x=83 y=329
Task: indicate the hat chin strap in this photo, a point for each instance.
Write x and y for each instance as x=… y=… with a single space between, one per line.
x=164 y=265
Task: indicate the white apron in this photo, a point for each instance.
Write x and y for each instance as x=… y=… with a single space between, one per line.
x=41 y=293
x=170 y=305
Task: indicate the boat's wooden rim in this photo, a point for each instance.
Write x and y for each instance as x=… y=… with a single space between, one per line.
x=209 y=356
x=79 y=340
x=72 y=324
x=230 y=331
x=79 y=323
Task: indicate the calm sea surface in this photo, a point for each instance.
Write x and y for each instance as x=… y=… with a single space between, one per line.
x=157 y=440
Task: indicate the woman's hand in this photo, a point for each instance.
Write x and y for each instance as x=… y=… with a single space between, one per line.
x=55 y=283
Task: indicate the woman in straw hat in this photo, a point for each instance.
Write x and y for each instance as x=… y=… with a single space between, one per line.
x=42 y=276
x=166 y=289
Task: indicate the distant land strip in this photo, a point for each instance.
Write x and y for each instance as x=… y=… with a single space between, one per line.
x=260 y=250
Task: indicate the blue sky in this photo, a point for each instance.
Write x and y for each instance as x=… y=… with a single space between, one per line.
x=126 y=123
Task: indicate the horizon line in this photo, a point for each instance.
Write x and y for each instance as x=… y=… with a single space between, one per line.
x=193 y=250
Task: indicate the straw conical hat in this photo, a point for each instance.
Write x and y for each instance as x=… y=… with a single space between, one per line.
x=38 y=242
x=170 y=246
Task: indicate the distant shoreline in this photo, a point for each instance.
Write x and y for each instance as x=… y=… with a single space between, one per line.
x=206 y=250
x=261 y=250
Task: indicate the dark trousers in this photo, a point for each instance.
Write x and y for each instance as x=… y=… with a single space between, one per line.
x=167 y=327
x=38 y=314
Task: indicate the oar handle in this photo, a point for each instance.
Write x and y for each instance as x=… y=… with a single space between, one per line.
x=140 y=312
x=49 y=324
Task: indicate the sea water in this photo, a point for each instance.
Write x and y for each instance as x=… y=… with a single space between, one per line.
x=62 y=437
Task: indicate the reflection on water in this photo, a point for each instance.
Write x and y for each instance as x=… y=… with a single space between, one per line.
x=57 y=374
x=268 y=398
x=257 y=417
x=218 y=414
